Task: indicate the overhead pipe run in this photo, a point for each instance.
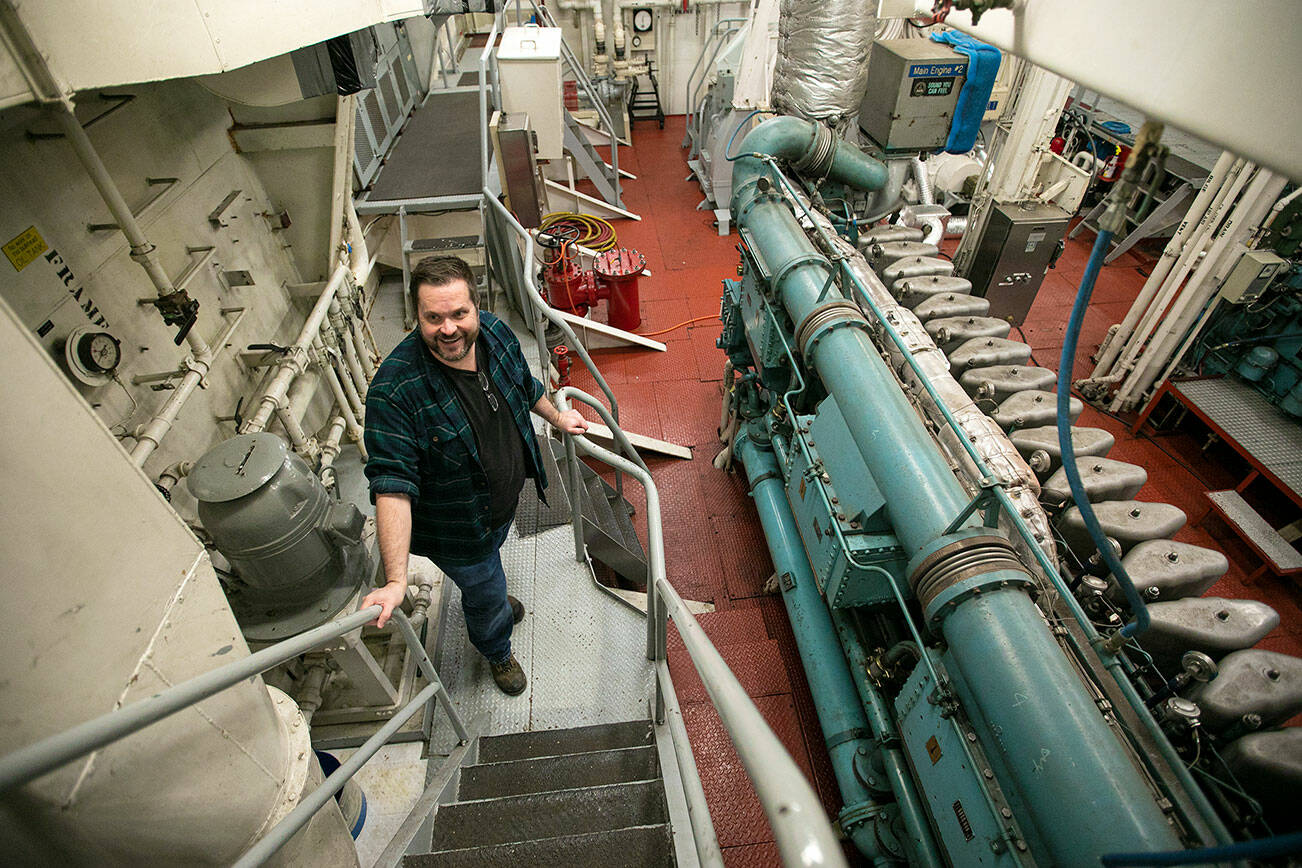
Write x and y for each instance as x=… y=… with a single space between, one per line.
x=970 y=583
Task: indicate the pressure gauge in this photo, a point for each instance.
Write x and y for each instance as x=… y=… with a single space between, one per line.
x=92 y=355
x=642 y=21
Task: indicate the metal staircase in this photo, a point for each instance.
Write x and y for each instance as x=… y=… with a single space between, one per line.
x=588 y=796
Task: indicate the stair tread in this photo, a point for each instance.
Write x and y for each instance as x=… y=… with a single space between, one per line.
x=557 y=742
x=644 y=846
x=568 y=771
x=512 y=819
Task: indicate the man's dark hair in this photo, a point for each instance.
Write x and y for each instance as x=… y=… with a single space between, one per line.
x=440 y=271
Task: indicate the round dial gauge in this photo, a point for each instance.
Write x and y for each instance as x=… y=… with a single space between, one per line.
x=92 y=355
x=642 y=20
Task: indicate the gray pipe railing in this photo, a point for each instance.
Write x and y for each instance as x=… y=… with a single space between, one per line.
x=29 y=763
x=803 y=833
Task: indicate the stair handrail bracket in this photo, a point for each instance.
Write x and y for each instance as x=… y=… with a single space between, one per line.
x=802 y=830
x=26 y=764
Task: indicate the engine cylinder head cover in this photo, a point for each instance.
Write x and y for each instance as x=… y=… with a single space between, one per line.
x=1033 y=408
x=1269 y=766
x=884 y=234
x=1102 y=478
x=296 y=550
x=985 y=352
x=951 y=332
x=1164 y=569
x=1129 y=522
x=1212 y=625
x=1251 y=682
x=952 y=304
x=913 y=290
x=883 y=256
x=997 y=382
x=1086 y=442
x=917 y=266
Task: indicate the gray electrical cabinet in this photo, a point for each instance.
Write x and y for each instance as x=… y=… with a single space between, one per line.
x=1013 y=256
x=913 y=87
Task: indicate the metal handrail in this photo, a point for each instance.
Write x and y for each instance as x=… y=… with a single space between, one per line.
x=803 y=833
x=693 y=123
x=48 y=754
x=483 y=98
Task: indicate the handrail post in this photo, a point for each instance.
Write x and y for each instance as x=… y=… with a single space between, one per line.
x=576 y=498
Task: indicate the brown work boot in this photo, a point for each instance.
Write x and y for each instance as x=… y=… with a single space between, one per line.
x=517 y=609
x=509 y=676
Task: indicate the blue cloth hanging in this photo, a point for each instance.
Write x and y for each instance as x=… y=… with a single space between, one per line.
x=982 y=67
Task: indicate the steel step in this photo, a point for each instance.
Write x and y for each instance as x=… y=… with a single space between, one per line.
x=531 y=514
x=566 y=772
x=558 y=742
x=633 y=847
x=547 y=815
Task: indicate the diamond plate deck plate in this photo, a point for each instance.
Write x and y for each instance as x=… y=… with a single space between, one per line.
x=734 y=807
x=583 y=652
x=758 y=666
x=1257 y=425
x=725 y=628
x=746 y=561
x=764 y=855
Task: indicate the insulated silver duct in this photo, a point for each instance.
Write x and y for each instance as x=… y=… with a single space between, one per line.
x=822 y=66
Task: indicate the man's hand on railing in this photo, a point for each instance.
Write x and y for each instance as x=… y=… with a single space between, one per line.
x=388 y=597
x=571 y=422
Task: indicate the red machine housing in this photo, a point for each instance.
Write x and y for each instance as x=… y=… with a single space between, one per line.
x=613 y=276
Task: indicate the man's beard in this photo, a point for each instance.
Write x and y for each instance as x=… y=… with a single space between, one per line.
x=441 y=349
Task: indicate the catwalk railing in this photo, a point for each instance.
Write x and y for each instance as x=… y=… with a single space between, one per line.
x=804 y=834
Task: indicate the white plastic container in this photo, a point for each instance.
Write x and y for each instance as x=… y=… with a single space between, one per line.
x=529 y=69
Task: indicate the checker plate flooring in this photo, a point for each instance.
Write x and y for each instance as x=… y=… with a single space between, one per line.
x=1257 y=425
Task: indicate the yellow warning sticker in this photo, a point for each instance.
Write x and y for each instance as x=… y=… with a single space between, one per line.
x=23 y=250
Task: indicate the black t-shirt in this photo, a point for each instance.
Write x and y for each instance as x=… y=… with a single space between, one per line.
x=501 y=448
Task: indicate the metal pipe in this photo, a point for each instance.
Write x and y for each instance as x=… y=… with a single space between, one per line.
x=197 y=364
x=292 y=363
x=330 y=450
x=345 y=340
x=342 y=403
x=803 y=835
x=1188 y=260
x=830 y=683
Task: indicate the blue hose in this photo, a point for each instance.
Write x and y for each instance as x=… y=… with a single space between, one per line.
x=1140 y=624
x=1263 y=848
x=743 y=123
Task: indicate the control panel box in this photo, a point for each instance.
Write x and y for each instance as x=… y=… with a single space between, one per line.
x=529 y=70
x=913 y=87
x=1252 y=275
x=1013 y=255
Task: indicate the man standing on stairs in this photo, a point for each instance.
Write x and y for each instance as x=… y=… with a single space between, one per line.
x=451 y=444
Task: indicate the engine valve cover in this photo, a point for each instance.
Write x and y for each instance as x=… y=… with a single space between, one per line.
x=887 y=234
x=1269 y=765
x=912 y=291
x=1103 y=479
x=1212 y=625
x=1033 y=408
x=984 y=352
x=917 y=266
x=1129 y=522
x=1085 y=441
x=952 y=304
x=1000 y=381
x=951 y=332
x=1254 y=681
x=1164 y=569
x=882 y=256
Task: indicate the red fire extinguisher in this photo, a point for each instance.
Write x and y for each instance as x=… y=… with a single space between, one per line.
x=1115 y=164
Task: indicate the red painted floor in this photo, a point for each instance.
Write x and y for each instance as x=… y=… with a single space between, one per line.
x=713 y=545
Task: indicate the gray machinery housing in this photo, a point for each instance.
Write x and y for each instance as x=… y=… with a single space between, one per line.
x=1017 y=246
x=298 y=552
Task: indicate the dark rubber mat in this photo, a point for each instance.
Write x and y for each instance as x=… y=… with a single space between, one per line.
x=437 y=154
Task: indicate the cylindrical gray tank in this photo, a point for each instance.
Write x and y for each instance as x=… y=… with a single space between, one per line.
x=296 y=550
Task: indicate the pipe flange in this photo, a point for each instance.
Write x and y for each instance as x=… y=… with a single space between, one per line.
x=832 y=314
x=945 y=602
x=817 y=159
x=976 y=556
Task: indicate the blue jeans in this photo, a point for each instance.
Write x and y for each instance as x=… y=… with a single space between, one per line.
x=483 y=601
